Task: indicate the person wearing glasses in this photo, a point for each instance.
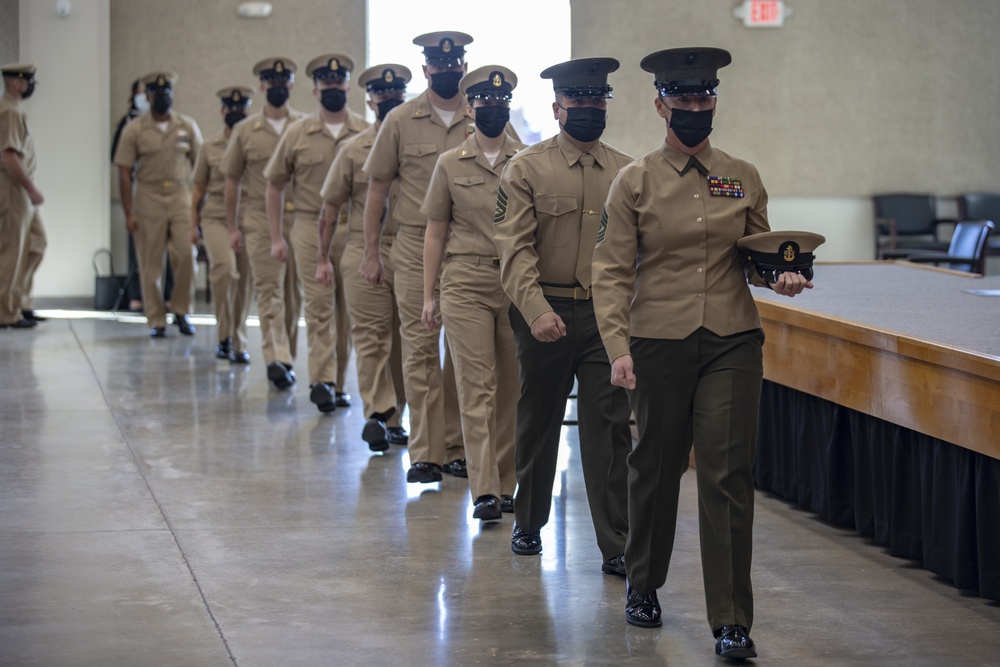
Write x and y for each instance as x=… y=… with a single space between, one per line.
x=545 y=225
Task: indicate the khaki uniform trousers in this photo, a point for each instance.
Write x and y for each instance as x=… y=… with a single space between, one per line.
x=435 y=422
x=277 y=285
x=474 y=310
x=375 y=331
x=342 y=319
x=16 y=214
x=321 y=310
x=34 y=252
x=164 y=216
x=231 y=282
x=706 y=388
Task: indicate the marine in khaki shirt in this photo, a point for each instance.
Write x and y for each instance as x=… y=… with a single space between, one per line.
x=19 y=196
x=374 y=316
x=304 y=156
x=276 y=283
x=546 y=221
x=229 y=275
x=160 y=147
x=459 y=207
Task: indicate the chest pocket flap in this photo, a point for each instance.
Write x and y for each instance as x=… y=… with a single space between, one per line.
x=468 y=181
x=554 y=205
x=420 y=150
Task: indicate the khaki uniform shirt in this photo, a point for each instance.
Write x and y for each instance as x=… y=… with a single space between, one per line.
x=463 y=191
x=14 y=136
x=348 y=181
x=305 y=153
x=250 y=148
x=407 y=148
x=539 y=217
x=208 y=172
x=666 y=261
x=163 y=160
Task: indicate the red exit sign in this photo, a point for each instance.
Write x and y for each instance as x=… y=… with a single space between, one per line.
x=762 y=13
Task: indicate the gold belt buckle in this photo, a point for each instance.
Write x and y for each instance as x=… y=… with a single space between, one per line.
x=167 y=184
x=581 y=293
x=289 y=206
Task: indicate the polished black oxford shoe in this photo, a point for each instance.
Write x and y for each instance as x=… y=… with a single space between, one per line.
x=506 y=504
x=733 y=642
x=158 y=332
x=343 y=399
x=239 y=357
x=23 y=323
x=457 y=468
x=184 y=324
x=642 y=609
x=398 y=436
x=30 y=315
x=224 y=348
x=487 y=508
x=280 y=375
x=375 y=434
x=615 y=565
x=321 y=393
x=423 y=473
x=524 y=543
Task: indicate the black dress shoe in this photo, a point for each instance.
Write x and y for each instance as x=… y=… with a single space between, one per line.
x=30 y=315
x=224 y=348
x=524 y=543
x=642 y=609
x=457 y=468
x=398 y=436
x=280 y=375
x=158 y=332
x=423 y=473
x=507 y=504
x=23 y=323
x=343 y=399
x=487 y=508
x=375 y=434
x=239 y=357
x=733 y=642
x=321 y=393
x=614 y=565
x=184 y=324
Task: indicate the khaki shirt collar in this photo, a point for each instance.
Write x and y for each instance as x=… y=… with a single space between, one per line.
x=572 y=153
x=679 y=160
x=316 y=124
x=422 y=109
x=14 y=101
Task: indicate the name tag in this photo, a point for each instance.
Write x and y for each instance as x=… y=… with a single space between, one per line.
x=723 y=186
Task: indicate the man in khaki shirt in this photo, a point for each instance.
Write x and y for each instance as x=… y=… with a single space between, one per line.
x=276 y=283
x=406 y=149
x=229 y=274
x=304 y=156
x=459 y=208
x=547 y=213
x=374 y=316
x=161 y=147
x=682 y=332
x=19 y=196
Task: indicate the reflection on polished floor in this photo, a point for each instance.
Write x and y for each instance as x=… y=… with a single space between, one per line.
x=160 y=508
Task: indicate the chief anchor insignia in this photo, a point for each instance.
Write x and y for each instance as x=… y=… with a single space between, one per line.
x=789 y=253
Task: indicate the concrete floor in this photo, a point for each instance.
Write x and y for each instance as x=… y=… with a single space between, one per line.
x=158 y=508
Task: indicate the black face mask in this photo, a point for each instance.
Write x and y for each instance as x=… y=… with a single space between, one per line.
x=585 y=124
x=30 y=91
x=233 y=117
x=492 y=120
x=277 y=96
x=691 y=127
x=162 y=101
x=333 y=99
x=445 y=84
x=385 y=106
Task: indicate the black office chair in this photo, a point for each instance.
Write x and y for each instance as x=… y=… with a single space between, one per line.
x=966 y=251
x=982 y=206
x=907 y=221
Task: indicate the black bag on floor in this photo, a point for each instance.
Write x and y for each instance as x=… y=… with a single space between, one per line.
x=109 y=290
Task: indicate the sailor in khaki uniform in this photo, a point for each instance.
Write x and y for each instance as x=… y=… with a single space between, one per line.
x=406 y=149
x=683 y=335
x=374 y=317
x=303 y=157
x=32 y=259
x=459 y=206
x=161 y=146
x=229 y=275
x=548 y=209
x=19 y=196
x=276 y=283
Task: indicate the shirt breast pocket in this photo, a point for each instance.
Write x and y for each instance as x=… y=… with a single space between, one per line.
x=420 y=151
x=556 y=216
x=307 y=166
x=469 y=192
x=258 y=157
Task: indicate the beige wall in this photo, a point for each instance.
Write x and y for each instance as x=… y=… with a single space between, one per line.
x=849 y=98
x=9 y=41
